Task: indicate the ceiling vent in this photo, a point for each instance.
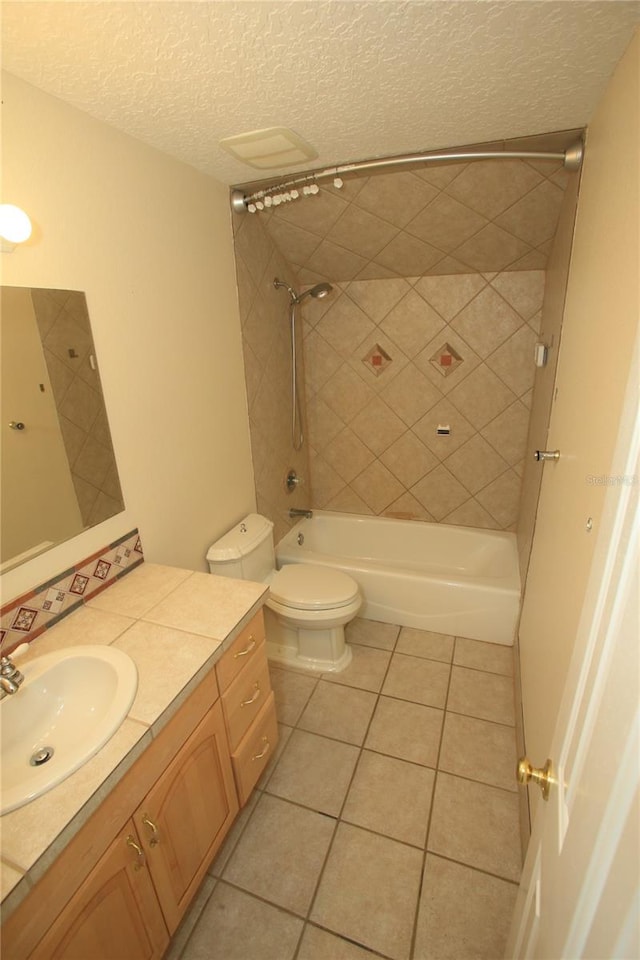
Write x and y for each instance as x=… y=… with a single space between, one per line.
x=270 y=148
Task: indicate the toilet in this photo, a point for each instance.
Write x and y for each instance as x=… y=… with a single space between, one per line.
x=308 y=605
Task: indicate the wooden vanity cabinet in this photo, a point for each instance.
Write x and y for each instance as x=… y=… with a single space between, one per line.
x=115 y=913
x=248 y=704
x=104 y=899
x=186 y=815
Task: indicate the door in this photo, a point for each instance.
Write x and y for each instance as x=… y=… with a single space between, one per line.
x=579 y=892
x=115 y=912
x=187 y=814
x=598 y=342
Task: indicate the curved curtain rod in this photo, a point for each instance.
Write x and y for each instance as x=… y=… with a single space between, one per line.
x=240 y=202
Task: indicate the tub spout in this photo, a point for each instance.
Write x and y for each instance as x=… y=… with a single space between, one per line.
x=300 y=513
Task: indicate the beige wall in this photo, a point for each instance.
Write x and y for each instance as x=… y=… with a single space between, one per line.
x=550 y=334
x=149 y=241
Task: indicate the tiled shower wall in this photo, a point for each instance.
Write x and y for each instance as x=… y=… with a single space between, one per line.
x=438 y=278
x=418 y=395
x=264 y=314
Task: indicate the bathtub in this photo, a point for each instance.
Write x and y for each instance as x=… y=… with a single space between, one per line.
x=455 y=580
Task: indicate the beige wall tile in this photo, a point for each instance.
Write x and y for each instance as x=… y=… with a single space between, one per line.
x=486 y=322
x=446 y=224
x=396 y=196
x=377 y=297
x=475 y=464
x=377 y=486
x=448 y=295
x=490 y=186
x=490 y=248
x=408 y=459
x=362 y=231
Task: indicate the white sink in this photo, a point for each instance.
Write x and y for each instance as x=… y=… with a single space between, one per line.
x=70 y=703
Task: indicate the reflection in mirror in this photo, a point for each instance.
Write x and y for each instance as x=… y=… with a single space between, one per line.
x=58 y=468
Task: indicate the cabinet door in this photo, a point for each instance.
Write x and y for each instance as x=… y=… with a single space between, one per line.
x=187 y=814
x=115 y=913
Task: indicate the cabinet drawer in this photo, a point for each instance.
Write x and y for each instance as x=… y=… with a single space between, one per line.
x=255 y=750
x=245 y=698
x=241 y=651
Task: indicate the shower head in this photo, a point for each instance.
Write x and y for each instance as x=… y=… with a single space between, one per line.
x=320 y=290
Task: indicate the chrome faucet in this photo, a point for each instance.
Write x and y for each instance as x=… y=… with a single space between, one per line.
x=10 y=677
x=293 y=512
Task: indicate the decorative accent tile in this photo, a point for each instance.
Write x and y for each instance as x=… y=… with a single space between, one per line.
x=377 y=360
x=24 y=619
x=79 y=585
x=446 y=359
x=28 y=616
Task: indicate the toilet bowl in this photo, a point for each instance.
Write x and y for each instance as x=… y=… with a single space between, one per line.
x=308 y=606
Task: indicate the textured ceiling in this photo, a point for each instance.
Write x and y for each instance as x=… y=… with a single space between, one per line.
x=357 y=79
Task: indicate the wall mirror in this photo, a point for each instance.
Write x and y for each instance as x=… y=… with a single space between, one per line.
x=58 y=469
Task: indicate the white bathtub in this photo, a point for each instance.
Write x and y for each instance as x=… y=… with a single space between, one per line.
x=455 y=580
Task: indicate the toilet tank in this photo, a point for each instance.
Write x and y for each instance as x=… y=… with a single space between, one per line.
x=245 y=552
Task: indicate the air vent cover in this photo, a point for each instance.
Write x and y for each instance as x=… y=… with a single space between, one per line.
x=269 y=148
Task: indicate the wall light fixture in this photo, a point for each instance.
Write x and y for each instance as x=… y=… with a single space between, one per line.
x=15 y=226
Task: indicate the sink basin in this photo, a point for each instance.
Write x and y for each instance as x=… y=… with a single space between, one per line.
x=70 y=703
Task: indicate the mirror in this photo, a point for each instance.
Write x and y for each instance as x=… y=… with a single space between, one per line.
x=58 y=468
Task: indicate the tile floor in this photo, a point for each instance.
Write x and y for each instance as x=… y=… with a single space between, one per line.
x=387 y=822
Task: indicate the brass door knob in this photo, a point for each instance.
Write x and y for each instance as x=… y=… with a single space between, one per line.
x=526 y=772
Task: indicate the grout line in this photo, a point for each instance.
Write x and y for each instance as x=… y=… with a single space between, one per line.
x=431 y=809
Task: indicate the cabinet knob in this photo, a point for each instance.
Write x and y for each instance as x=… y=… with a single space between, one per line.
x=154 y=841
x=247 y=650
x=245 y=703
x=259 y=756
x=131 y=842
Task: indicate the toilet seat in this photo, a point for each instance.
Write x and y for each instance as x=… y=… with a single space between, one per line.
x=307 y=586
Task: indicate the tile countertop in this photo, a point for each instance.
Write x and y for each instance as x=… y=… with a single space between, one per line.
x=175 y=625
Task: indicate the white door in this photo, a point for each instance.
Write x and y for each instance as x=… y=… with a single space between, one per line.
x=579 y=892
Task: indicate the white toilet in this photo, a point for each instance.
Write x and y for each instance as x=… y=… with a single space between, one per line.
x=308 y=605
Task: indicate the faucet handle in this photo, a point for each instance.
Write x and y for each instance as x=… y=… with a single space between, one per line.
x=9 y=669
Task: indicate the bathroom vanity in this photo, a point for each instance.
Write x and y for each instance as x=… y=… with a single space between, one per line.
x=105 y=864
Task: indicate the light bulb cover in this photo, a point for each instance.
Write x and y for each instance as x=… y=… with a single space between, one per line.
x=15 y=225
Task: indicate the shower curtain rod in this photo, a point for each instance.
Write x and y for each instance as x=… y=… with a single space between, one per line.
x=285 y=191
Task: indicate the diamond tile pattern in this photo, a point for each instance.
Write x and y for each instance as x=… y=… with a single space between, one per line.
x=486 y=215
x=387 y=449
x=418 y=259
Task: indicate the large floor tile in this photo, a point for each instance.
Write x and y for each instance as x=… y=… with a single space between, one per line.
x=281 y=853
x=369 y=891
x=339 y=712
x=479 y=750
x=319 y=944
x=222 y=857
x=372 y=633
x=477 y=825
x=492 y=657
x=483 y=695
x=315 y=772
x=392 y=797
x=464 y=914
x=236 y=926
x=366 y=671
x=418 y=680
x=189 y=921
x=425 y=643
x=292 y=692
x=406 y=730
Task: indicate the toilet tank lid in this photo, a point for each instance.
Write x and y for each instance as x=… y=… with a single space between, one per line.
x=241 y=539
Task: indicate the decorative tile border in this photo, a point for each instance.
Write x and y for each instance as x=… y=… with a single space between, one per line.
x=24 y=619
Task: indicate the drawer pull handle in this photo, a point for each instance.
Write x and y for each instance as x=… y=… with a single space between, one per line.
x=245 y=703
x=154 y=841
x=259 y=756
x=249 y=647
x=139 y=852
